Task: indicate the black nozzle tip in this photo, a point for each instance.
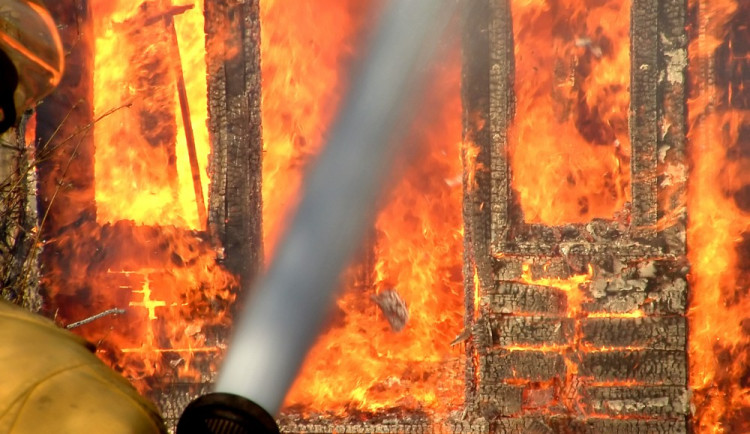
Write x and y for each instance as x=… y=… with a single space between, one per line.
x=225 y=413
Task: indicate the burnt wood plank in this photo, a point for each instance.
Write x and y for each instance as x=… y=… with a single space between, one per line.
x=672 y=160
x=557 y=424
x=664 y=401
x=475 y=87
x=501 y=364
x=531 y=331
x=661 y=333
x=658 y=295
x=614 y=426
x=660 y=367
x=497 y=399
x=510 y=297
x=234 y=95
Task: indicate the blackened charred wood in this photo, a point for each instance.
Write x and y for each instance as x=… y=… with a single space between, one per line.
x=562 y=424
x=234 y=95
x=643 y=115
x=475 y=98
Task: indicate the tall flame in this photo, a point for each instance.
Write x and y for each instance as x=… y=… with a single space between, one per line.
x=719 y=207
x=141 y=151
x=359 y=363
x=569 y=143
x=303 y=69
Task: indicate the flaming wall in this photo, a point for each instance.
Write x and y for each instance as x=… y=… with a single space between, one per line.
x=575 y=276
x=577 y=325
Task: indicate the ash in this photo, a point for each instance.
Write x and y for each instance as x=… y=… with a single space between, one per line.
x=393 y=307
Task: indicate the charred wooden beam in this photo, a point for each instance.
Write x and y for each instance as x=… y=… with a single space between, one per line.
x=644 y=75
x=234 y=95
x=672 y=157
x=476 y=135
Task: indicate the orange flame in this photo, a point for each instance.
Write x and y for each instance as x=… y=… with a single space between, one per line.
x=303 y=69
x=719 y=121
x=359 y=363
x=569 y=144
x=166 y=277
x=571 y=286
x=141 y=153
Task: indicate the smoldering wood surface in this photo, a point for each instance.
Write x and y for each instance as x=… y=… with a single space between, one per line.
x=234 y=96
x=654 y=401
x=643 y=115
x=323 y=425
x=643 y=366
x=672 y=160
x=501 y=110
x=540 y=425
x=659 y=333
x=510 y=297
x=531 y=331
x=502 y=365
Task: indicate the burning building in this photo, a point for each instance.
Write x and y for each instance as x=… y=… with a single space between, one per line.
x=565 y=235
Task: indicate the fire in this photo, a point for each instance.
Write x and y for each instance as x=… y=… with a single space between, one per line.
x=719 y=121
x=571 y=286
x=571 y=119
x=359 y=363
x=143 y=254
x=135 y=65
x=304 y=77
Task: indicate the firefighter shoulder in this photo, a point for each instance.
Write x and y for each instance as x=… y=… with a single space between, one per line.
x=53 y=383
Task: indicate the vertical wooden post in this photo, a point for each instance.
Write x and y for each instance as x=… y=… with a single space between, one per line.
x=234 y=95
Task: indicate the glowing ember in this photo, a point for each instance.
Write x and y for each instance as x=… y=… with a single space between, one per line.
x=571 y=286
x=719 y=120
x=569 y=144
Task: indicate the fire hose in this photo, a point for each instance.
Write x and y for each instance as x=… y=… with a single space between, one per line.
x=281 y=319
